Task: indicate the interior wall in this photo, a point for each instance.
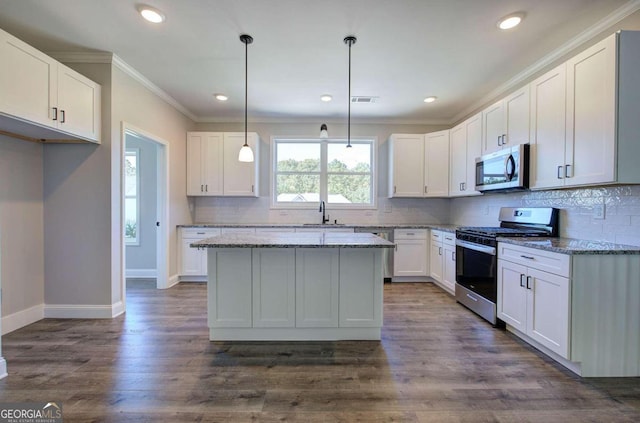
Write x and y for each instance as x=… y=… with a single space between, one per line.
x=143 y=255
x=258 y=210
x=136 y=105
x=77 y=212
x=21 y=225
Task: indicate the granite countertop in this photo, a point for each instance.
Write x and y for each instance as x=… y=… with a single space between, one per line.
x=362 y=228
x=294 y=240
x=573 y=246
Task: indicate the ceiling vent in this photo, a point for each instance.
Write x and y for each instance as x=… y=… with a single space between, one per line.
x=364 y=99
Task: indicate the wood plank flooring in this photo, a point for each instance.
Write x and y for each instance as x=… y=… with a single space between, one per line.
x=437 y=362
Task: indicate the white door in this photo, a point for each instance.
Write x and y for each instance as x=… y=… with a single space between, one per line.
x=408 y=165
x=239 y=177
x=229 y=288
x=212 y=167
x=192 y=259
x=436 y=161
x=458 y=160
x=512 y=294
x=361 y=282
x=274 y=285
x=410 y=257
x=548 y=311
x=317 y=289
x=474 y=144
x=435 y=262
x=493 y=124
x=449 y=267
x=78 y=104
x=591 y=115
x=195 y=171
x=548 y=122
x=516 y=109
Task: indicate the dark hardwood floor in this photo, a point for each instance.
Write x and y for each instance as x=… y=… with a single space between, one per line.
x=437 y=362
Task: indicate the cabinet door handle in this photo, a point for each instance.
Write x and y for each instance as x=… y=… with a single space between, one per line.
x=499 y=144
x=63 y=120
x=473 y=298
x=453 y=256
x=396 y=247
x=201 y=188
x=425 y=189
x=528 y=282
x=522 y=280
x=395 y=189
x=206 y=188
x=461 y=189
x=55 y=113
x=527 y=257
x=410 y=234
x=251 y=188
x=567 y=173
x=200 y=233
x=504 y=139
x=559 y=170
x=439 y=251
x=464 y=186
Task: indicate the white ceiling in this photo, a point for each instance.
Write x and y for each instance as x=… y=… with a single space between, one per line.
x=406 y=50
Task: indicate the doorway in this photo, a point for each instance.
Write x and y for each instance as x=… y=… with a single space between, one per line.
x=144 y=207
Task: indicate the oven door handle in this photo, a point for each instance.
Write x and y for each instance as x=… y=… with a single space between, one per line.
x=475 y=247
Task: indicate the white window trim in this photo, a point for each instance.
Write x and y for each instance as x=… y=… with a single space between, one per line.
x=136 y=241
x=323 y=174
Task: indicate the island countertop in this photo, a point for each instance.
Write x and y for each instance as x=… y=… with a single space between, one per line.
x=295 y=240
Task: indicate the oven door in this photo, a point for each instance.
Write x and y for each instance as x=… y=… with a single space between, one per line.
x=476 y=269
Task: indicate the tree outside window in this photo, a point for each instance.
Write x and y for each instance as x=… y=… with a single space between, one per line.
x=131 y=193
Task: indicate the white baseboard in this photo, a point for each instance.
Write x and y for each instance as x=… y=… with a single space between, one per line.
x=141 y=273
x=173 y=280
x=193 y=279
x=22 y=318
x=3 y=368
x=74 y=311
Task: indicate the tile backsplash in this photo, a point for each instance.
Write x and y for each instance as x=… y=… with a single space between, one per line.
x=621 y=223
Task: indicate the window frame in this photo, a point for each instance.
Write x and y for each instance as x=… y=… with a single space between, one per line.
x=130 y=241
x=324 y=173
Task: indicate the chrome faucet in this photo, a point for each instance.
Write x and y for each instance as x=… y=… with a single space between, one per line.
x=323 y=208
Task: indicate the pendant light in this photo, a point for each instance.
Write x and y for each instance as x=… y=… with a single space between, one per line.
x=349 y=40
x=324 y=134
x=246 y=154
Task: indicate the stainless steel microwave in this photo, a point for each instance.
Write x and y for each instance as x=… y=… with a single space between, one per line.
x=504 y=170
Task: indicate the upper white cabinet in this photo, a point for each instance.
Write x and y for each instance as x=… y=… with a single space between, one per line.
x=44 y=98
x=466 y=140
x=418 y=165
x=506 y=123
x=584 y=122
x=213 y=168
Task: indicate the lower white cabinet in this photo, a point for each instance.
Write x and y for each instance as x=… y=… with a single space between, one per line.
x=448 y=282
x=535 y=303
x=274 y=287
x=192 y=263
x=411 y=253
x=436 y=256
x=317 y=286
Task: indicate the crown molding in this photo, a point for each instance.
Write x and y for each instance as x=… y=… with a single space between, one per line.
x=610 y=20
x=81 y=57
x=319 y=119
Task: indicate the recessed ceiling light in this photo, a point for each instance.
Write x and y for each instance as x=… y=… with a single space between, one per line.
x=221 y=97
x=151 y=14
x=430 y=99
x=326 y=97
x=510 y=21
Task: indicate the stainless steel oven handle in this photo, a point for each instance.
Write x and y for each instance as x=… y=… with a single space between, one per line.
x=476 y=247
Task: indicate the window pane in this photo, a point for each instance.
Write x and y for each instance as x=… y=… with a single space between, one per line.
x=349 y=189
x=354 y=159
x=130 y=218
x=130 y=178
x=298 y=157
x=298 y=188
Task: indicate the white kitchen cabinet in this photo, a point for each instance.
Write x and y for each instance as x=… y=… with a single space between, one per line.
x=317 y=290
x=192 y=262
x=410 y=259
x=584 y=117
x=242 y=230
x=213 y=168
x=535 y=302
x=36 y=89
x=360 y=293
x=324 y=230
x=274 y=229
x=229 y=289
x=274 y=288
x=448 y=282
x=419 y=165
x=204 y=163
x=466 y=140
x=436 y=257
x=506 y=123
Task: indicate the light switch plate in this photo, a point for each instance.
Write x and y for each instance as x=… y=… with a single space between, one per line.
x=598 y=211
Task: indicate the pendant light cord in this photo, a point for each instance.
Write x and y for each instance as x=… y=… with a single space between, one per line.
x=350 y=40
x=246 y=88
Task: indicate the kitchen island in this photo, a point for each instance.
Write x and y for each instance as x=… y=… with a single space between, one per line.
x=294 y=286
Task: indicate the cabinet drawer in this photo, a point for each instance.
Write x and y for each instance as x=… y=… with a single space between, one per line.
x=546 y=261
x=437 y=236
x=238 y=231
x=448 y=238
x=199 y=233
x=410 y=234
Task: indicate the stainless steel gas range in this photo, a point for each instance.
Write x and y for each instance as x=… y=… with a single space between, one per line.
x=477 y=258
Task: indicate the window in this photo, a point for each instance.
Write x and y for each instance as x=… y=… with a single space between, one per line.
x=131 y=196
x=307 y=171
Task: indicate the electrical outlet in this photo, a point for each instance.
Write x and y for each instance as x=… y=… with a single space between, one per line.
x=598 y=211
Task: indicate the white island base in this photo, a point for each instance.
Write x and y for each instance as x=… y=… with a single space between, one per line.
x=302 y=294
